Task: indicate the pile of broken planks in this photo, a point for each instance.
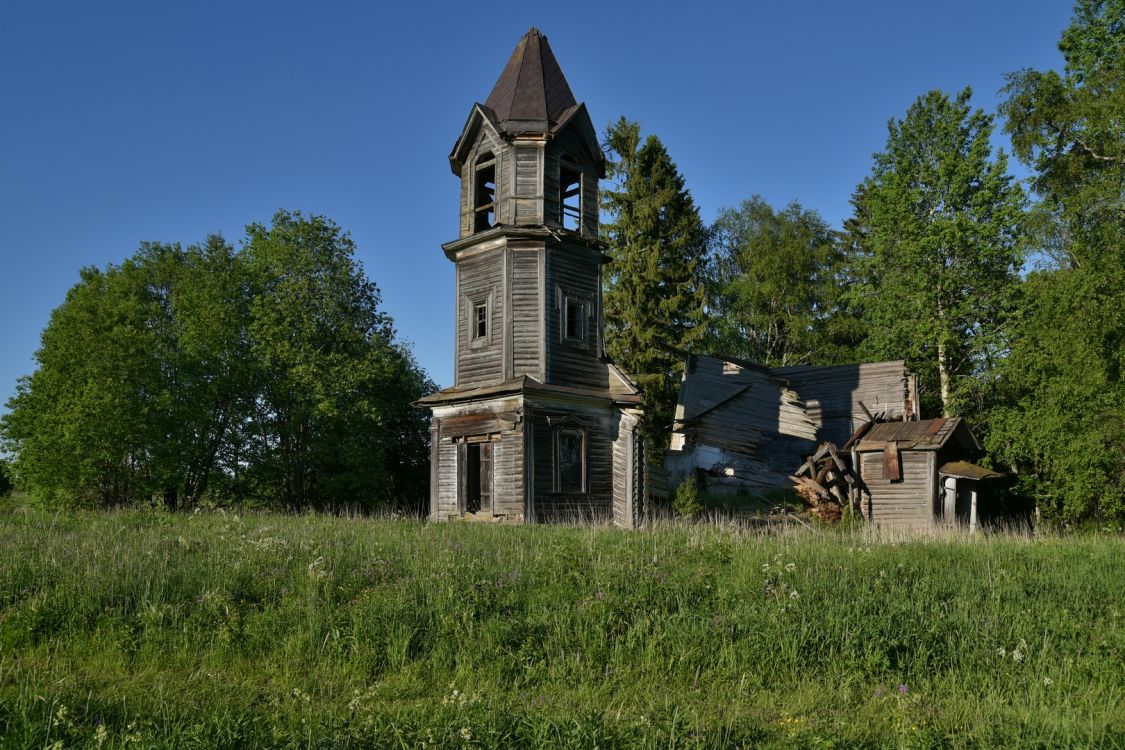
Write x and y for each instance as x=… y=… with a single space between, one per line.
x=828 y=481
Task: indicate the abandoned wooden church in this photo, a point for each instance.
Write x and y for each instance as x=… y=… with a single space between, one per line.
x=539 y=424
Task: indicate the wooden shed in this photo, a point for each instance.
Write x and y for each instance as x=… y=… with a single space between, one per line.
x=905 y=468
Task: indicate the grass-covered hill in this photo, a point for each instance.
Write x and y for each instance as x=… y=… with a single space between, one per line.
x=145 y=629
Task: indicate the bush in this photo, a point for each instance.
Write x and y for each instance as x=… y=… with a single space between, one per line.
x=686 y=500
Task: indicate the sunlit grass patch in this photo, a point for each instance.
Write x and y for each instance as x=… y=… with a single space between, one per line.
x=228 y=630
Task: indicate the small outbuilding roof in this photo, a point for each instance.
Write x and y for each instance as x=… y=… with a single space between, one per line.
x=922 y=434
x=966 y=470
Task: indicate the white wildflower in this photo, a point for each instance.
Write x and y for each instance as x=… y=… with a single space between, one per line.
x=1017 y=655
x=790 y=567
x=794 y=595
x=1047 y=681
x=1001 y=652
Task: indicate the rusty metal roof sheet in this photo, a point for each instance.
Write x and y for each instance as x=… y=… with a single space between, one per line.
x=922 y=434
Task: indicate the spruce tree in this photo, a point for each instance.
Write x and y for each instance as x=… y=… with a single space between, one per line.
x=655 y=298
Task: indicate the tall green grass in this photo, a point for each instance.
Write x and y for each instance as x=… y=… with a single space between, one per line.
x=144 y=629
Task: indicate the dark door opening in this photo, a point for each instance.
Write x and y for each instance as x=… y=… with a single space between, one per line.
x=478 y=476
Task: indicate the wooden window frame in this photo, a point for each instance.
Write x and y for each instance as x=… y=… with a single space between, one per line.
x=473 y=303
x=571 y=428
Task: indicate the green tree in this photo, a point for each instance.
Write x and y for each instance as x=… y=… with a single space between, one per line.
x=7 y=482
x=776 y=282
x=655 y=296
x=333 y=423
x=942 y=225
x=268 y=374
x=1061 y=420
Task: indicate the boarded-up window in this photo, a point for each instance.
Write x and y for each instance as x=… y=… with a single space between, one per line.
x=892 y=465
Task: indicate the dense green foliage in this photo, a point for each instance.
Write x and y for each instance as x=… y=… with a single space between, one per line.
x=655 y=296
x=219 y=631
x=1061 y=418
x=776 y=287
x=267 y=375
x=6 y=483
x=942 y=226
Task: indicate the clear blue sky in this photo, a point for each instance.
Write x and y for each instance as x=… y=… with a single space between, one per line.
x=123 y=122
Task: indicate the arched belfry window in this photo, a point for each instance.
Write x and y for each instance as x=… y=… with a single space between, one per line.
x=484 y=192
x=570 y=194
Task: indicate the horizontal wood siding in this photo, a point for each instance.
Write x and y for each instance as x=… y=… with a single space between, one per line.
x=527 y=311
x=624 y=472
x=551 y=187
x=480 y=278
x=832 y=394
x=527 y=198
x=574 y=270
x=597 y=502
x=907 y=503
x=739 y=425
x=590 y=217
x=447 y=479
x=508 y=475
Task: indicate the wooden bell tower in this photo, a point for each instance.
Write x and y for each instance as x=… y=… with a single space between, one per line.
x=533 y=423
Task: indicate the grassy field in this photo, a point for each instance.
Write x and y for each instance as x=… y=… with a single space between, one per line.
x=144 y=629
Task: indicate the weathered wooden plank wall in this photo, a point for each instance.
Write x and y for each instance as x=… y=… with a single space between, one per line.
x=908 y=502
x=572 y=271
x=480 y=279
x=526 y=310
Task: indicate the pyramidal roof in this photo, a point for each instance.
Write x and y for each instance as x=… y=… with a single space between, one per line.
x=532 y=94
